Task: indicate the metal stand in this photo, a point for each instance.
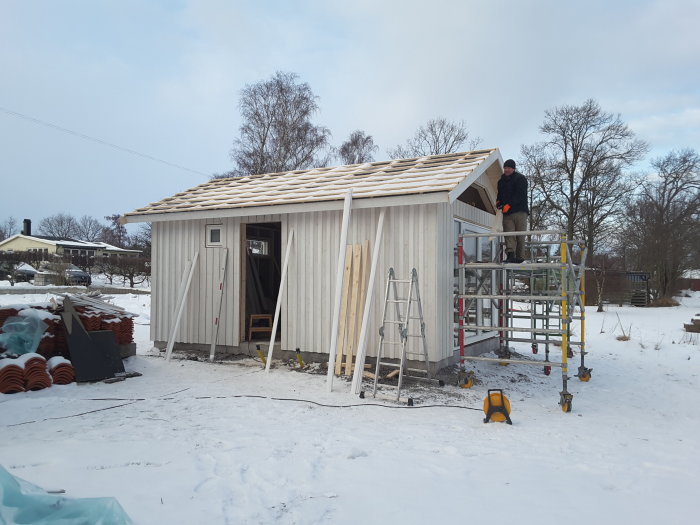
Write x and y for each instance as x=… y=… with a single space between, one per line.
x=550 y=284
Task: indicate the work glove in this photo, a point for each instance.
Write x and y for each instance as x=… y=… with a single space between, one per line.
x=506 y=208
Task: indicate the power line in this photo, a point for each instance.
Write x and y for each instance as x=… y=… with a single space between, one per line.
x=99 y=141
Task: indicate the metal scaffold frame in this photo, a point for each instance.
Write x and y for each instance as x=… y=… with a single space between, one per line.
x=551 y=283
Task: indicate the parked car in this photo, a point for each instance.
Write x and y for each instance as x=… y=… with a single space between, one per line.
x=77 y=276
x=24 y=273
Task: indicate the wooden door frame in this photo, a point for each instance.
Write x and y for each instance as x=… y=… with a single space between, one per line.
x=244 y=276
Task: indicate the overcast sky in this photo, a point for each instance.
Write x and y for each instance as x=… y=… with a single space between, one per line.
x=163 y=78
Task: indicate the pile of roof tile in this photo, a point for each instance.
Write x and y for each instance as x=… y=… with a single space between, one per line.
x=53 y=342
x=61 y=370
x=36 y=377
x=90 y=318
x=7 y=312
x=122 y=326
x=94 y=313
x=32 y=372
x=11 y=377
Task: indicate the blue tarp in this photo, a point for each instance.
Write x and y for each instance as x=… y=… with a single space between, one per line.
x=23 y=503
x=22 y=334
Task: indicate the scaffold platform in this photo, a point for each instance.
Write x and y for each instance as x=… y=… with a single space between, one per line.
x=539 y=301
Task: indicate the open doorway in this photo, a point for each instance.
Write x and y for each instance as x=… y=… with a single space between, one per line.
x=262 y=255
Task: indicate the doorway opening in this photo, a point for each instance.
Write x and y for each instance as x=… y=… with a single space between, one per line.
x=261 y=251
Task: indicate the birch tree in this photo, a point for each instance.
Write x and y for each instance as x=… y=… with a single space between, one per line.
x=277 y=133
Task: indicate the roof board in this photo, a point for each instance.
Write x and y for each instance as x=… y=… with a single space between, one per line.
x=435 y=173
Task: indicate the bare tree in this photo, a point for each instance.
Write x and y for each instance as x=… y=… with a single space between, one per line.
x=538 y=219
x=115 y=233
x=359 y=148
x=135 y=270
x=8 y=228
x=436 y=137
x=60 y=225
x=277 y=133
x=663 y=220
x=89 y=229
x=578 y=168
x=141 y=240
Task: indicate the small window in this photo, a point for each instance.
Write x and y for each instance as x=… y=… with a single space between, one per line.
x=258 y=247
x=213 y=235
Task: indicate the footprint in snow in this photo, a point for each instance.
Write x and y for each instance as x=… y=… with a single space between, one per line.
x=357 y=453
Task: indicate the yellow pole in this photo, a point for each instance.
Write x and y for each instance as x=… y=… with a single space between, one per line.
x=564 y=397
x=563 y=312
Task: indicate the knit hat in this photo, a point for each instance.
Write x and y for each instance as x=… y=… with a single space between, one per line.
x=510 y=163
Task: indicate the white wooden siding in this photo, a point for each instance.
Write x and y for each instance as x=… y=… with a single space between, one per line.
x=174 y=243
x=417 y=236
x=408 y=241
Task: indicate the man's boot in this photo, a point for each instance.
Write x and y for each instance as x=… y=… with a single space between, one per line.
x=510 y=258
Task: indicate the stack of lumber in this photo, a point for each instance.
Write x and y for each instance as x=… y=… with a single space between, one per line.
x=61 y=370
x=352 y=305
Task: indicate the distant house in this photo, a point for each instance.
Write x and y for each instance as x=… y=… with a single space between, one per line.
x=690 y=280
x=428 y=201
x=618 y=287
x=26 y=242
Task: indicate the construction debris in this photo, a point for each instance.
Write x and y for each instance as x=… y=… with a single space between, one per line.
x=94 y=313
x=84 y=328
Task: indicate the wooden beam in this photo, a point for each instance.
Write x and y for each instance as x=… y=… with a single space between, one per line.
x=362 y=346
x=219 y=294
x=343 y=310
x=354 y=306
x=279 y=300
x=338 y=284
x=180 y=305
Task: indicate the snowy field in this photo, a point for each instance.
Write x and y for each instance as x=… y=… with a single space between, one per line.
x=192 y=442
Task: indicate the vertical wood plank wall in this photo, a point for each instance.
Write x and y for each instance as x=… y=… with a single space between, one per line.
x=173 y=244
x=417 y=236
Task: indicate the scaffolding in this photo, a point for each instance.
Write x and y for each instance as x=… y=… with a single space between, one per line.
x=540 y=302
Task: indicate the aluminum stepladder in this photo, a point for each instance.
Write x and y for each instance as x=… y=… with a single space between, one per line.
x=403 y=325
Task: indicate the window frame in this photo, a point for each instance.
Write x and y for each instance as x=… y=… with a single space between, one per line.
x=207 y=239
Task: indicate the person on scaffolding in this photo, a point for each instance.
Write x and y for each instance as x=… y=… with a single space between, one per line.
x=512 y=201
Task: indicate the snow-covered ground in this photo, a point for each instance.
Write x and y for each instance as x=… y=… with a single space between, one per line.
x=192 y=442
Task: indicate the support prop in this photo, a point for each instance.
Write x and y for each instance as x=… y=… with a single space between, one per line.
x=338 y=285
x=279 y=300
x=362 y=345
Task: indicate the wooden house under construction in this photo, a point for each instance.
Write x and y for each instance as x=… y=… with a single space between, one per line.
x=237 y=230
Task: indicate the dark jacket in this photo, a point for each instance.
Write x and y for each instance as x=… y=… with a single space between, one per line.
x=512 y=189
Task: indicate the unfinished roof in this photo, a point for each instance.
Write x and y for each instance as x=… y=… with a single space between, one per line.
x=435 y=173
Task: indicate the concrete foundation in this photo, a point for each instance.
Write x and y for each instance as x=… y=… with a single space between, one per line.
x=250 y=349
